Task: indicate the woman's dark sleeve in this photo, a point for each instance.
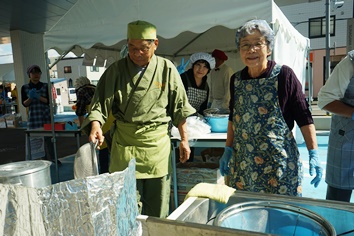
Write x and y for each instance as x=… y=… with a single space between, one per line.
x=232 y=96
x=292 y=99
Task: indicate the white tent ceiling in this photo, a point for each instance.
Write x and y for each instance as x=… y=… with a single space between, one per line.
x=98 y=28
x=89 y=21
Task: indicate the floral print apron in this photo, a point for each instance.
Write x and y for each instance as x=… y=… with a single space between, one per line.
x=266 y=157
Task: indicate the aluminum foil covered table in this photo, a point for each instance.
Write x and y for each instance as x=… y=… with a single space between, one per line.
x=99 y=205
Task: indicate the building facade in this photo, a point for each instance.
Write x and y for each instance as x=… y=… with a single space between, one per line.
x=310 y=20
x=70 y=69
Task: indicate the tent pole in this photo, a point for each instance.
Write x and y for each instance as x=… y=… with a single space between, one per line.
x=52 y=119
x=51 y=104
x=199 y=35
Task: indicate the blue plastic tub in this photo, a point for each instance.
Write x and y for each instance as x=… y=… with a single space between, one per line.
x=218 y=124
x=274 y=218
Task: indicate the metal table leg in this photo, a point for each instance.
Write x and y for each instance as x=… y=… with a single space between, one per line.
x=28 y=154
x=174 y=167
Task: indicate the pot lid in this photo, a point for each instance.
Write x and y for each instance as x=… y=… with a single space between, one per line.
x=216 y=112
x=22 y=168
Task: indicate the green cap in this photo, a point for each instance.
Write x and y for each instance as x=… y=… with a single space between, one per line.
x=141 y=30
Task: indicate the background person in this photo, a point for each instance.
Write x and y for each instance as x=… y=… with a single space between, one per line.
x=144 y=92
x=35 y=96
x=84 y=93
x=195 y=80
x=219 y=82
x=261 y=154
x=14 y=96
x=336 y=96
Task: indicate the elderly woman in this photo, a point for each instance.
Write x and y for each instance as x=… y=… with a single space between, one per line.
x=261 y=154
x=195 y=80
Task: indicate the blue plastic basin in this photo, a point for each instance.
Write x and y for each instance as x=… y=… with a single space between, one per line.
x=218 y=124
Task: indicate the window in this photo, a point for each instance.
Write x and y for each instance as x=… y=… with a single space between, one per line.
x=94 y=69
x=58 y=91
x=67 y=69
x=70 y=83
x=54 y=74
x=94 y=82
x=317 y=27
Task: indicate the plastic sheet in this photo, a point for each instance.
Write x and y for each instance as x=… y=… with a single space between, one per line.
x=99 y=205
x=196 y=127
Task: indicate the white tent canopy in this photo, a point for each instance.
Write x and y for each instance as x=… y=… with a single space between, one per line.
x=98 y=28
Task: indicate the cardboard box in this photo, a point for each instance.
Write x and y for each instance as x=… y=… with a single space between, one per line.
x=57 y=126
x=212 y=154
x=3 y=122
x=191 y=173
x=194 y=173
x=13 y=120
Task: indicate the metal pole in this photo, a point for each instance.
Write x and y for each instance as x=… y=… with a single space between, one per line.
x=52 y=119
x=309 y=77
x=328 y=34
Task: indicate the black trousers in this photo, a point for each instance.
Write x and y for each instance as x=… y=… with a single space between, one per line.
x=337 y=194
x=103 y=159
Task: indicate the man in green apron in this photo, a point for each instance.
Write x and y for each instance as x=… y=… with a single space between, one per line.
x=145 y=93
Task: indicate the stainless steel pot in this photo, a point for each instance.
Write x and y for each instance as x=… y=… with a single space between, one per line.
x=273 y=218
x=35 y=173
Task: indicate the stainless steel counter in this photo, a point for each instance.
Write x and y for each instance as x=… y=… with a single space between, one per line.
x=204 y=210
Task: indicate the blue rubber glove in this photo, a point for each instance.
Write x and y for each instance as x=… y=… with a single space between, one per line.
x=33 y=94
x=224 y=161
x=315 y=166
x=182 y=67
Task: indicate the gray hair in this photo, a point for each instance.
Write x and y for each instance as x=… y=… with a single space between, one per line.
x=253 y=25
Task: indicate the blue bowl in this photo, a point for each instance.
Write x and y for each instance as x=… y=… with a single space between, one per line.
x=218 y=124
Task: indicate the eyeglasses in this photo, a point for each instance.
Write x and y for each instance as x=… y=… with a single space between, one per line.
x=255 y=46
x=144 y=49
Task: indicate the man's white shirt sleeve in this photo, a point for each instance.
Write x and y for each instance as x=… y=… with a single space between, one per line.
x=337 y=84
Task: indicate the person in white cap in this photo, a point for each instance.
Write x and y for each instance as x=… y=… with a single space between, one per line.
x=145 y=93
x=195 y=80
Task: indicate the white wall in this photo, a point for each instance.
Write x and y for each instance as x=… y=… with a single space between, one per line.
x=77 y=70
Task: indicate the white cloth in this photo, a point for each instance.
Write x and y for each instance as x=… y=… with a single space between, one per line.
x=337 y=83
x=219 y=86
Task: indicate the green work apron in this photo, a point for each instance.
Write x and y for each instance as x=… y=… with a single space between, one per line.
x=149 y=144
